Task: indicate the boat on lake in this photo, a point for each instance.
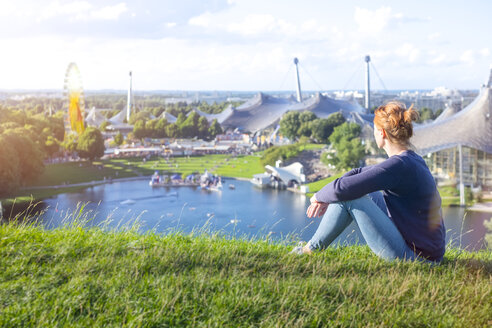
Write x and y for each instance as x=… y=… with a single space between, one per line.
x=210 y=182
x=175 y=180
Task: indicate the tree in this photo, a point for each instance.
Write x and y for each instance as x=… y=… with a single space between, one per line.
x=91 y=144
x=438 y=112
x=305 y=129
x=139 y=130
x=10 y=170
x=307 y=116
x=294 y=124
x=180 y=119
x=57 y=127
x=70 y=143
x=336 y=119
x=118 y=139
x=349 y=149
x=289 y=124
x=189 y=128
x=172 y=130
x=347 y=131
x=51 y=146
x=203 y=127
x=104 y=125
x=214 y=129
x=160 y=128
x=150 y=129
x=30 y=156
x=425 y=114
x=323 y=128
x=140 y=116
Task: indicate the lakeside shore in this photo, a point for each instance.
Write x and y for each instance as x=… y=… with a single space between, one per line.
x=75 y=176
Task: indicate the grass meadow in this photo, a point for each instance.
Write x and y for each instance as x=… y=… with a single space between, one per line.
x=83 y=277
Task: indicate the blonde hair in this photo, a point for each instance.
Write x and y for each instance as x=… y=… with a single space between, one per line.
x=396 y=120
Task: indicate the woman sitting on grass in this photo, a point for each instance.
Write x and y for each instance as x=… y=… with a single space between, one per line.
x=395 y=204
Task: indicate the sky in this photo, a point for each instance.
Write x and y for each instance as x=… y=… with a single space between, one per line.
x=245 y=44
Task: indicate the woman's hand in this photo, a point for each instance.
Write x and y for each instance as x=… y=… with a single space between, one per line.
x=316 y=208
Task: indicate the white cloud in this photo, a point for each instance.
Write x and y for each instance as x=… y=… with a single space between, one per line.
x=265 y=25
x=408 y=51
x=438 y=60
x=80 y=11
x=433 y=36
x=76 y=9
x=203 y=20
x=109 y=12
x=372 y=22
x=335 y=33
x=485 y=52
x=254 y=24
x=8 y=8
x=251 y=39
x=105 y=63
x=468 y=57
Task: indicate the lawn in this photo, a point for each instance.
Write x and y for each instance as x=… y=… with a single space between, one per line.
x=80 y=277
x=223 y=165
x=77 y=172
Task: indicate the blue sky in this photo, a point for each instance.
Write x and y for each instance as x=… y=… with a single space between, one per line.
x=245 y=45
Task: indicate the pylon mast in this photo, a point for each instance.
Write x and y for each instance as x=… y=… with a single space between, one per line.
x=129 y=101
x=299 y=95
x=368 y=86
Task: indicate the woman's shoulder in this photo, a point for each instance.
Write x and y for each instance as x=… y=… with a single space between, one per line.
x=393 y=161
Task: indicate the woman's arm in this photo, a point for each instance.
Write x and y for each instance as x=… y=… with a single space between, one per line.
x=362 y=181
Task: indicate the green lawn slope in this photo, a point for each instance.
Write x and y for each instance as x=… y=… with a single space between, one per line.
x=77 y=277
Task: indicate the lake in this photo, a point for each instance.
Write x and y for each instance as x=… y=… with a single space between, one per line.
x=245 y=211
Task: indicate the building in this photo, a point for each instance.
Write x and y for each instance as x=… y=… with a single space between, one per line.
x=467 y=131
x=265 y=111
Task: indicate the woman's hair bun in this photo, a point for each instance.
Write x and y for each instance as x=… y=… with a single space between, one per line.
x=396 y=120
x=410 y=115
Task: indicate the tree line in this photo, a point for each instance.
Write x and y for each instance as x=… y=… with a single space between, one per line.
x=28 y=137
x=295 y=125
x=189 y=126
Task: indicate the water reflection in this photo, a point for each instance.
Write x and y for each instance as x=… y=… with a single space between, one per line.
x=465 y=229
x=243 y=211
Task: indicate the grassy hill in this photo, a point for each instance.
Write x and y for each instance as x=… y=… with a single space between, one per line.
x=81 y=277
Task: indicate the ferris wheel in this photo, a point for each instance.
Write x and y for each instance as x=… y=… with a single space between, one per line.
x=74 y=94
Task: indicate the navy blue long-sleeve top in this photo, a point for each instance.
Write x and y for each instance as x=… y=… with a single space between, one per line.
x=410 y=194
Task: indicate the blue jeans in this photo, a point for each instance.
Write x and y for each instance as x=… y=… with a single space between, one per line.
x=370 y=214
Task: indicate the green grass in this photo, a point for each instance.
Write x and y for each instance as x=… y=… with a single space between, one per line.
x=87 y=277
x=313 y=146
x=70 y=173
x=318 y=185
x=223 y=165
